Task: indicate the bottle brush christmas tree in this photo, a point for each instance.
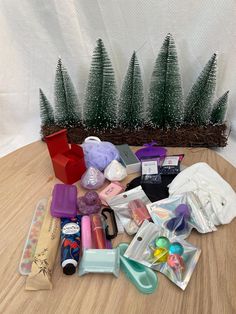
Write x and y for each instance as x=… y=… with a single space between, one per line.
x=46 y=111
x=199 y=101
x=165 y=101
x=67 y=110
x=101 y=100
x=166 y=120
x=131 y=106
x=219 y=109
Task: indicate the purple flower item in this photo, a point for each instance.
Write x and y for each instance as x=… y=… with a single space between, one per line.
x=90 y=203
x=99 y=154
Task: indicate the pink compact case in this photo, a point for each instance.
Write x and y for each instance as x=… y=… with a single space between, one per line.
x=111 y=190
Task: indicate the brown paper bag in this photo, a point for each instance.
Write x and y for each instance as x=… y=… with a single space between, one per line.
x=45 y=254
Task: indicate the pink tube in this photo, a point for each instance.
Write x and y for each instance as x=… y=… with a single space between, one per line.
x=86 y=233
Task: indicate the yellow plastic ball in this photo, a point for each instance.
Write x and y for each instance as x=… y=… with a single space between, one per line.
x=161 y=255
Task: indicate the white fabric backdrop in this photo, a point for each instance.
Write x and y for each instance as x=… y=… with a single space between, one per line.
x=34 y=33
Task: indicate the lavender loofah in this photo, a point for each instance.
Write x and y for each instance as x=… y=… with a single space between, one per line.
x=92 y=179
x=99 y=154
x=90 y=203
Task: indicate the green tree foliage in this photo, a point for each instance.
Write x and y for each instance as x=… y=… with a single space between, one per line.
x=165 y=101
x=199 y=101
x=46 y=111
x=131 y=97
x=101 y=99
x=67 y=111
x=219 y=109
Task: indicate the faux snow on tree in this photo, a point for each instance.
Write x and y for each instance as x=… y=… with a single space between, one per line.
x=165 y=101
x=219 y=109
x=46 y=111
x=131 y=105
x=100 y=108
x=67 y=111
x=164 y=118
x=199 y=101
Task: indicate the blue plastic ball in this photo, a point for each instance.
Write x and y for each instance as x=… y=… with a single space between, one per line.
x=176 y=248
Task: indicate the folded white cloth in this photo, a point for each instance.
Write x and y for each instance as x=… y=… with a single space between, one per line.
x=216 y=195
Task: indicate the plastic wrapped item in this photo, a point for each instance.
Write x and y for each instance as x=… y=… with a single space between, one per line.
x=115 y=171
x=217 y=197
x=92 y=179
x=171 y=165
x=32 y=238
x=160 y=249
x=40 y=277
x=99 y=154
x=139 y=211
x=180 y=214
x=89 y=203
x=100 y=261
x=150 y=171
x=143 y=278
x=120 y=205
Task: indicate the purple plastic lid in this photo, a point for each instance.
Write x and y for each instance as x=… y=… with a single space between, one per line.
x=150 y=151
x=64 y=198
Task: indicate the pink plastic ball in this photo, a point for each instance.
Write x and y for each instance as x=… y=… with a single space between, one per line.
x=176 y=262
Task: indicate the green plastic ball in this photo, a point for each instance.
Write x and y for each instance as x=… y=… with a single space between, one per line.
x=162 y=242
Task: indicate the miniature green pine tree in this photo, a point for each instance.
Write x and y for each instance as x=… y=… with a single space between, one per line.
x=67 y=113
x=131 y=97
x=165 y=100
x=46 y=111
x=219 y=109
x=199 y=101
x=100 y=101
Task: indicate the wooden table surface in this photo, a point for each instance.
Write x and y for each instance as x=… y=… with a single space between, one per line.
x=27 y=177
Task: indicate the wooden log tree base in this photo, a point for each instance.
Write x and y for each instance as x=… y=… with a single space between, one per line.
x=184 y=136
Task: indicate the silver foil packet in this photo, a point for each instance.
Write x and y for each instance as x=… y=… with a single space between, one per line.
x=120 y=205
x=161 y=250
x=163 y=213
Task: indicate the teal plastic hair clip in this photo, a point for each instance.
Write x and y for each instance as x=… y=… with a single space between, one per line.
x=144 y=278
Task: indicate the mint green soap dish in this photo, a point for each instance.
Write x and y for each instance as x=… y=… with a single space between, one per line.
x=144 y=278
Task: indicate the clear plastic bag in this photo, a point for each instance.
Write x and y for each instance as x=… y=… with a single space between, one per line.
x=163 y=213
x=161 y=250
x=150 y=170
x=171 y=164
x=120 y=205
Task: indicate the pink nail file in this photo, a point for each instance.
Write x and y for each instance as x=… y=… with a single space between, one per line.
x=86 y=233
